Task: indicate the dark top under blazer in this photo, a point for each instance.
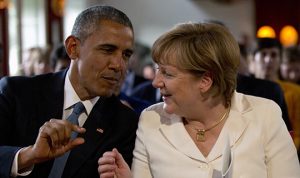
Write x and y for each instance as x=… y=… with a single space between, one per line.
x=26 y=103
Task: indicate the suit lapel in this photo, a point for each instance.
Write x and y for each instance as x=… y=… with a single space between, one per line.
x=232 y=131
x=173 y=130
x=234 y=127
x=99 y=118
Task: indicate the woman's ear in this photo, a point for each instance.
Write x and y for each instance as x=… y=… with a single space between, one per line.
x=205 y=82
x=72 y=47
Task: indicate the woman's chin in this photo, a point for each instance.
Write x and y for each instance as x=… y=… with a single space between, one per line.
x=168 y=109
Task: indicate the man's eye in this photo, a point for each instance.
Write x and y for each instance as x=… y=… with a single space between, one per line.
x=127 y=55
x=107 y=50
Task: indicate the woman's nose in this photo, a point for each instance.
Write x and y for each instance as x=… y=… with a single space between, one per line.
x=157 y=81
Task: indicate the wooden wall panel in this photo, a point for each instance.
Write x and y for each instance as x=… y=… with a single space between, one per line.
x=4 y=42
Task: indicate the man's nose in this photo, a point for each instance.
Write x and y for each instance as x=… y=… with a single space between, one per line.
x=117 y=63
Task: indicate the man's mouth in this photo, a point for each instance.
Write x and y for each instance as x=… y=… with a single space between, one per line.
x=110 y=79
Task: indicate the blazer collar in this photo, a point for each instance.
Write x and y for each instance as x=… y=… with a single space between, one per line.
x=173 y=129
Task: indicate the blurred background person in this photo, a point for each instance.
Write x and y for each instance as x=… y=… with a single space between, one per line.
x=248 y=84
x=267 y=57
x=27 y=62
x=149 y=71
x=138 y=73
x=36 y=61
x=59 y=58
x=290 y=66
x=135 y=68
x=145 y=90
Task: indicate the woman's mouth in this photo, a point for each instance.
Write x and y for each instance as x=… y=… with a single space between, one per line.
x=165 y=96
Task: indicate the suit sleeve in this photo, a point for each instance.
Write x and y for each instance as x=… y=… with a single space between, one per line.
x=7 y=152
x=140 y=165
x=281 y=156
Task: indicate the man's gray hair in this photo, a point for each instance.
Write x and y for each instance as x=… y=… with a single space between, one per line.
x=88 y=20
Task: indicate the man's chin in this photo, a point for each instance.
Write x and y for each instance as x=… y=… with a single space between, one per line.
x=107 y=93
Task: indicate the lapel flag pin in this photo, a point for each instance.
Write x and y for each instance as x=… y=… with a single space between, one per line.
x=99 y=130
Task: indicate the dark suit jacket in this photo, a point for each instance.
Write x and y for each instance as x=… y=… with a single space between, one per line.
x=137 y=104
x=266 y=89
x=27 y=103
x=145 y=91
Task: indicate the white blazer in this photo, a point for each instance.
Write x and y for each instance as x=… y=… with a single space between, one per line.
x=254 y=143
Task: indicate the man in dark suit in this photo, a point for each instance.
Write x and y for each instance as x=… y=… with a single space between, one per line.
x=32 y=131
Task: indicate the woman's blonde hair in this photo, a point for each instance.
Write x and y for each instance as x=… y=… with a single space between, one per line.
x=202 y=48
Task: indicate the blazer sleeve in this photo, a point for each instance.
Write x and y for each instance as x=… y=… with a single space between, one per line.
x=281 y=157
x=7 y=153
x=140 y=166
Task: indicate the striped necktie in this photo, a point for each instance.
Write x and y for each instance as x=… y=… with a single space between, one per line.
x=60 y=162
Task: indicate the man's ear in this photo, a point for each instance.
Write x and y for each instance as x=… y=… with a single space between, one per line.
x=72 y=47
x=205 y=82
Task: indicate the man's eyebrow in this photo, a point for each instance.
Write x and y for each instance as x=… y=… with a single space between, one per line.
x=106 y=46
x=111 y=46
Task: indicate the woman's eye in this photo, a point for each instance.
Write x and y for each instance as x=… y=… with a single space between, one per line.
x=165 y=73
x=169 y=75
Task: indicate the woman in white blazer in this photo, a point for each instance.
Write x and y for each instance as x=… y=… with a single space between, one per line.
x=204 y=129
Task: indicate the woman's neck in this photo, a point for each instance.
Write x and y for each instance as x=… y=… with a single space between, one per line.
x=207 y=116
